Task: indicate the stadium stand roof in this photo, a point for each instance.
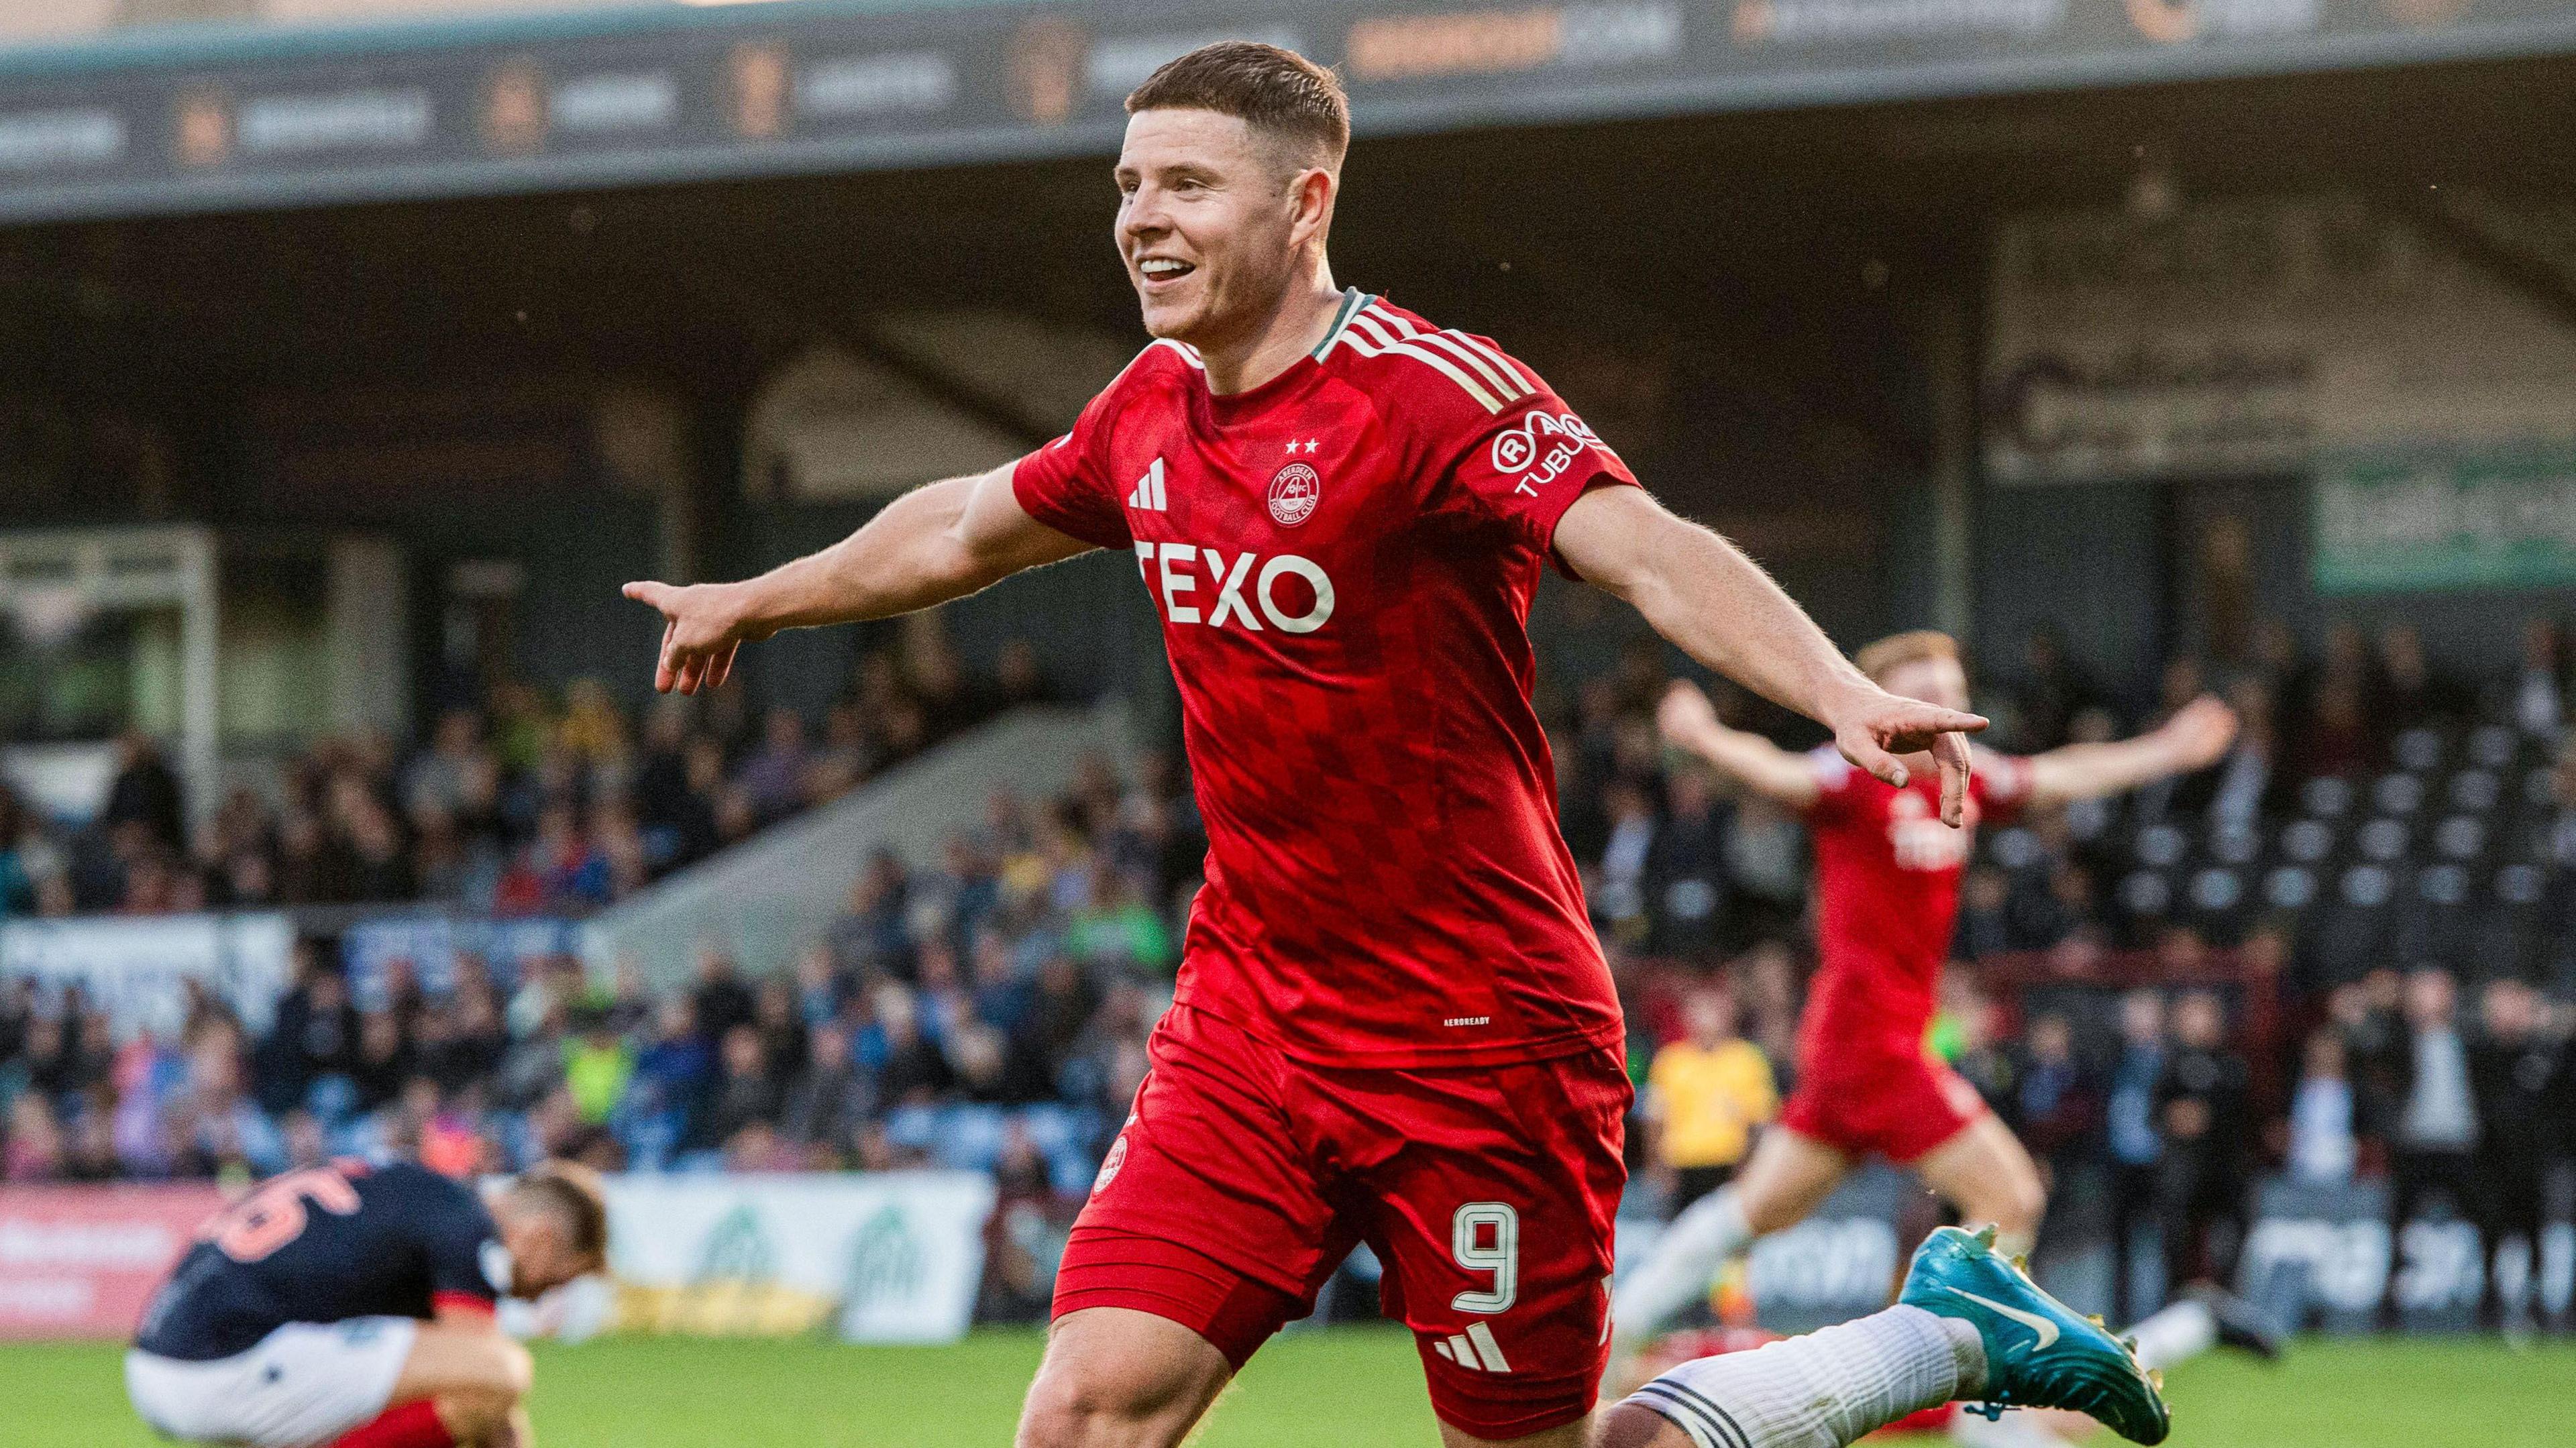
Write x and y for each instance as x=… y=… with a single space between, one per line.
x=453 y=97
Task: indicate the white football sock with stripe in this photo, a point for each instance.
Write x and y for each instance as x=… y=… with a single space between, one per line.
x=1681 y=1266
x=1825 y=1389
x=2175 y=1335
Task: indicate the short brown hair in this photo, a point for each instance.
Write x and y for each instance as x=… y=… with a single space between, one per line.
x=1269 y=89
x=573 y=1193
x=1895 y=651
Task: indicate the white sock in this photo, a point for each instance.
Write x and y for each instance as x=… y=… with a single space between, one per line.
x=2015 y=1244
x=2512 y=1267
x=1825 y=1389
x=1677 y=1272
x=2176 y=1335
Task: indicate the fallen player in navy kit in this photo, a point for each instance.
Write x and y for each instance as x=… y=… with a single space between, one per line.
x=351 y=1306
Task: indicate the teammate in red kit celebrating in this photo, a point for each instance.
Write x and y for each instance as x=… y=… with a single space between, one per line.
x=1393 y=1024
x=1887 y=894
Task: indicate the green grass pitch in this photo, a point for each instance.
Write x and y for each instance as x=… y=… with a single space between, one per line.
x=1346 y=1388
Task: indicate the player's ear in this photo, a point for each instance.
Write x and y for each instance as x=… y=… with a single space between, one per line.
x=1310 y=205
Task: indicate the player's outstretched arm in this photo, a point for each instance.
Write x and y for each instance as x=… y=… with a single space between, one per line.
x=2193 y=739
x=940 y=541
x=1701 y=592
x=1689 y=722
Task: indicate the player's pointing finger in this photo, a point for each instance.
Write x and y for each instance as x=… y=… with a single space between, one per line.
x=1951 y=751
x=1912 y=727
x=1948 y=721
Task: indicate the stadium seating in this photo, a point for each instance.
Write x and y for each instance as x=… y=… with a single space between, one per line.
x=2440 y=859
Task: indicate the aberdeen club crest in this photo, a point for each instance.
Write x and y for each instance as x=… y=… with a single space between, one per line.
x=1294 y=492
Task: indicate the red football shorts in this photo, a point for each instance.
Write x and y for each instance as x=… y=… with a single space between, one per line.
x=1894 y=1101
x=1244 y=1177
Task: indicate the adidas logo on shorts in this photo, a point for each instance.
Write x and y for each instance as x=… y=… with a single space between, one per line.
x=1474 y=1350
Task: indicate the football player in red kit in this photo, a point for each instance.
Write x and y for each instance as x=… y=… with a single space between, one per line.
x=1887 y=894
x=1393 y=1024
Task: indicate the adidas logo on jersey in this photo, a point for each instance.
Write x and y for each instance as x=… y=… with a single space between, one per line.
x=1149 y=495
x=1474 y=1350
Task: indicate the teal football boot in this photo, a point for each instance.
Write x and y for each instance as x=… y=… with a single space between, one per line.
x=2039 y=1353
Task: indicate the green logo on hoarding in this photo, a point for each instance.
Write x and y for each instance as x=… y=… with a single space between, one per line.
x=2499 y=519
x=886 y=1260
x=738 y=1249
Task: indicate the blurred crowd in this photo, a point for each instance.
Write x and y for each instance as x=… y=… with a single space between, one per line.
x=525 y=803
x=989 y=1007
x=989 y=1010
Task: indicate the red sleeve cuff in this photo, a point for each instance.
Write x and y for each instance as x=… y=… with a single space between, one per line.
x=462 y=1302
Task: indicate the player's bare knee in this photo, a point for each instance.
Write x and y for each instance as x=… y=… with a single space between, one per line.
x=2030 y=1204
x=1783 y=1206
x=2013 y=1212
x=1772 y=1212
x=506 y=1372
x=1050 y=1420
x=475 y=1417
x=1115 y=1378
x=1068 y=1421
x=2017 y=1203
x=1625 y=1425
x=1068 y=1409
x=1570 y=1435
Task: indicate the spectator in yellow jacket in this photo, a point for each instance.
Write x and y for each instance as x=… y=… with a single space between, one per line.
x=1705 y=1095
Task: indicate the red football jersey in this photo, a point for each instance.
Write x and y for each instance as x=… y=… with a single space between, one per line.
x=1343 y=559
x=1887 y=892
